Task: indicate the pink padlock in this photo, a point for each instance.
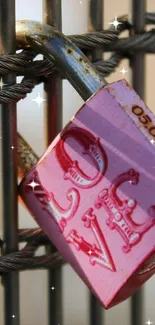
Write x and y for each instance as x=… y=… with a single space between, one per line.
x=93 y=190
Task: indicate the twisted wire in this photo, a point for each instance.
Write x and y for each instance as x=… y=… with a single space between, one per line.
x=25 y=260
x=35 y=234
x=35 y=71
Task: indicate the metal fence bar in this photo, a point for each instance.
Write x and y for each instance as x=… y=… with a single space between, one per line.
x=8 y=167
x=138 y=82
x=96 y=21
x=54 y=110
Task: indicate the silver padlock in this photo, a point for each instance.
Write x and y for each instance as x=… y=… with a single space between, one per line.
x=92 y=191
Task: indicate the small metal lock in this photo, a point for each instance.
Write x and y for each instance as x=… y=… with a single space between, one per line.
x=93 y=190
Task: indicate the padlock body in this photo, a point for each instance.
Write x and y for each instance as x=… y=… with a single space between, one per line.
x=94 y=196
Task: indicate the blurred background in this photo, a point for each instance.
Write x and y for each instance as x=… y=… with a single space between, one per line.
x=33 y=284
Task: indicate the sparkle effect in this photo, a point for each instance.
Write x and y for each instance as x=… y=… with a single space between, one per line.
x=90 y=252
x=115 y=23
x=39 y=100
x=130 y=181
x=152 y=141
x=52 y=288
x=149 y=322
x=33 y=184
x=13 y=316
x=123 y=71
x=12 y=147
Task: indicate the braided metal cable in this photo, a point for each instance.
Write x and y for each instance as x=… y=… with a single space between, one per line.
x=35 y=234
x=23 y=64
x=25 y=260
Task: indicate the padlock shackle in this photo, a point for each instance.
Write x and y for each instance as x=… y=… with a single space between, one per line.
x=67 y=57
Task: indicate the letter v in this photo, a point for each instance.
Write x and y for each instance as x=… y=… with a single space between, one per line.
x=97 y=254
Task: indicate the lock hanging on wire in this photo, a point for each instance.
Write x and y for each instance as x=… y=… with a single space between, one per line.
x=92 y=191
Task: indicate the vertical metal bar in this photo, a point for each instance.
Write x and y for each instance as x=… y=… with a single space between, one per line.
x=96 y=21
x=52 y=15
x=9 y=166
x=138 y=60
x=138 y=81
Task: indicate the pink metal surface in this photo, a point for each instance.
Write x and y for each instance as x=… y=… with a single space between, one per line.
x=95 y=197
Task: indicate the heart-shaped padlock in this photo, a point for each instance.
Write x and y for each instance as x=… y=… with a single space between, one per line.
x=93 y=190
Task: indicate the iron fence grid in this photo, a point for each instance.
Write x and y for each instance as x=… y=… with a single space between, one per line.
x=139 y=42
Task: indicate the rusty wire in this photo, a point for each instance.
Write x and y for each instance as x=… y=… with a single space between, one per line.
x=25 y=259
x=34 y=72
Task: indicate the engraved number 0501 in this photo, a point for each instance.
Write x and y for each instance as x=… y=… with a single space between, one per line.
x=144 y=119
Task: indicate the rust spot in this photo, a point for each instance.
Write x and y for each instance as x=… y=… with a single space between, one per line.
x=82 y=60
x=128 y=85
x=124 y=106
x=111 y=91
x=121 y=126
x=69 y=51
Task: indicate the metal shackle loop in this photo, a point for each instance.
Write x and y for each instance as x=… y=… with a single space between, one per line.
x=67 y=57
